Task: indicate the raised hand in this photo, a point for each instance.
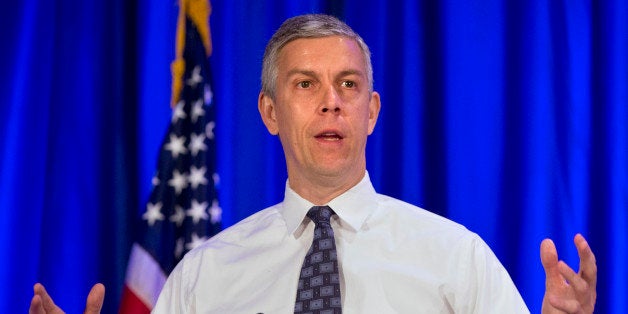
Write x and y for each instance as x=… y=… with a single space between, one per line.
x=565 y=290
x=42 y=303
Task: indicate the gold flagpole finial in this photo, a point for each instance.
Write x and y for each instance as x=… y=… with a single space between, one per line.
x=198 y=11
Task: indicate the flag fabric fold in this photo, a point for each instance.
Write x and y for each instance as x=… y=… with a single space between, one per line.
x=183 y=209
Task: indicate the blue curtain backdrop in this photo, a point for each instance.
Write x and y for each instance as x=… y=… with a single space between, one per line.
x=509 y=117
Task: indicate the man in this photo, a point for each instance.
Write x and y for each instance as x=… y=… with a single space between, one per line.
x=375 y=254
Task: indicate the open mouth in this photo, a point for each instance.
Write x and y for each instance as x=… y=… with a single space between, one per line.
x=329 y=136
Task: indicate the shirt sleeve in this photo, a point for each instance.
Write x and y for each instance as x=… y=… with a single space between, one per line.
x=172 y=298
x=488 y=286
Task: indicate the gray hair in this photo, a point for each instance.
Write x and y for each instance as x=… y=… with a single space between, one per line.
x=307 y=26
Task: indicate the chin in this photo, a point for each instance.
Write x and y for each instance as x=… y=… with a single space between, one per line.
x=328 y=170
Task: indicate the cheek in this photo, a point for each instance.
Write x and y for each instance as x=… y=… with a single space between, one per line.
x=363 y=119
x=291 y=127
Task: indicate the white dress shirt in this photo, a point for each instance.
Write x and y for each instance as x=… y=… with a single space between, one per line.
x=394 y=258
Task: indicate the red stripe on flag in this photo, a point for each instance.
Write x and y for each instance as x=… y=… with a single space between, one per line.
x=131 y=304
x=144 y=277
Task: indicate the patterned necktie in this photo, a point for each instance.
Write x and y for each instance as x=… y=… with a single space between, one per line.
x=319 y=283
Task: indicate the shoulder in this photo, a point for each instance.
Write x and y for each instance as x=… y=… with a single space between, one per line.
x=246 y=230
x=417 y=231
x=405 y=215
x=208 y=262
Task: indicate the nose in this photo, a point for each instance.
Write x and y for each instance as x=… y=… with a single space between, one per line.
x=331 y=101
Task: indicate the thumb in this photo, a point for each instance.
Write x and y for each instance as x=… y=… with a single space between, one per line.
x=95 y=299
x=549 y=256
x=549 y=259
x=36 y=305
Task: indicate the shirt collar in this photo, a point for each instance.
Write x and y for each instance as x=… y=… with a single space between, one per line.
x=353 y=206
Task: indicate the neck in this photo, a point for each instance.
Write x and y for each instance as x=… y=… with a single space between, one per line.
x=321 y=189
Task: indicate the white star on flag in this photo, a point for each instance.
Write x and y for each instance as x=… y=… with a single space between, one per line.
x=208 y=95
x=178 y=216
x=209 y=129
x=176 y=145
x=197 y=143
x=197 y=211
x=153 y=213
x=197 y=176
x=196 y=77
x=178 y=182
x=215 y=212
x=196 y=241
x=197 y=110
x=178 y=250
x=216 y=179
x=179 y=113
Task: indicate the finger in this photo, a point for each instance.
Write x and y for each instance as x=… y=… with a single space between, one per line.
x=565 y=305
x=549 y=259
x=36 y=305
x=574 y=280
x=95 y=299
x=588 y=265
x=549 y=256
x=47 y=303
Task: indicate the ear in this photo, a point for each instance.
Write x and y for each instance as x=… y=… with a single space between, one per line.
x=266 y=107
x=374 y=106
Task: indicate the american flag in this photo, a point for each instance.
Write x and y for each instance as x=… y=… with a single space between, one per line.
x=183 y=209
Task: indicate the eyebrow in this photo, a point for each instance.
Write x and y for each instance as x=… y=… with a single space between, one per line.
x=300 y=71
x=351 y=72
x=313 y=73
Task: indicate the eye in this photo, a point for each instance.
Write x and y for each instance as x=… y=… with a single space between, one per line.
x=348 y=84
x=305 y=84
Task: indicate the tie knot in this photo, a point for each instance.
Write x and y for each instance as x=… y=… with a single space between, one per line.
x=320 y=214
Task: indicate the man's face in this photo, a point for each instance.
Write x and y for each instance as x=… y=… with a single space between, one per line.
x=323 y=110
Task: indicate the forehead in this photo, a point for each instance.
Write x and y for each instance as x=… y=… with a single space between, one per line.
x=333 y=52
